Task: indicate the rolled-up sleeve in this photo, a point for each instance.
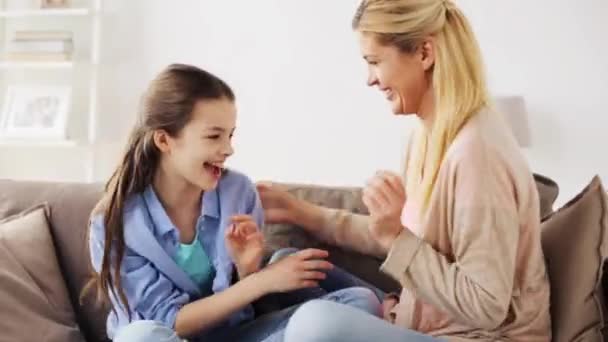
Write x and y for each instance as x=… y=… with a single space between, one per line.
x=150 y=295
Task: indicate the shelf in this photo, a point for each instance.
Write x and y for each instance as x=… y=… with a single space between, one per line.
x=45 y=13
x=36 y=65
x=6 y=142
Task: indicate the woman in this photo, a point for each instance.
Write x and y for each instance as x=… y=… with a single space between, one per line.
x=461 y=233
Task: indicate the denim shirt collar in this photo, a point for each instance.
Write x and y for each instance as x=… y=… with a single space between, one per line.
x=209 y=207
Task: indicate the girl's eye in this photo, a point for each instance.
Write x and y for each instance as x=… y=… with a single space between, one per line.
x=213 y=137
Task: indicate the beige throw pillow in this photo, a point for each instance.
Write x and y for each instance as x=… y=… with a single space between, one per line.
x=33 y=296
x=575 y=244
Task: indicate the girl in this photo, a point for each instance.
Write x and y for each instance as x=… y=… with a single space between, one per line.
x=461 y=233
x=175 y=241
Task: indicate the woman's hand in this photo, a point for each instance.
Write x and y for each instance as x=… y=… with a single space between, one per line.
x=384 y=196
x=245 y=244
x=279 y=205
x=388 y=305
x=303 y=269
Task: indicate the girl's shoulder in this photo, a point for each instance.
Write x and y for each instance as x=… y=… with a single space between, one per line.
x=237 y=194
x=133 y=208
x=233 y=180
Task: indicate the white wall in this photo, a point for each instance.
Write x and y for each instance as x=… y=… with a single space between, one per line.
x=305 y=112
x=553 y=52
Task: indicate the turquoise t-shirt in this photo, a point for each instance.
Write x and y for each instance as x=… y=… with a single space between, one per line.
x=195 y=262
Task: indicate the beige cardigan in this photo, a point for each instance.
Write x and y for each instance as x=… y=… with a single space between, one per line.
x=479 y=265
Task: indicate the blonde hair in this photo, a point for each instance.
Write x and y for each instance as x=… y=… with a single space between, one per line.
x=459 y=84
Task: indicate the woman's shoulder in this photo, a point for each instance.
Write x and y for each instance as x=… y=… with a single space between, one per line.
x=486 y=153
x=485 y=139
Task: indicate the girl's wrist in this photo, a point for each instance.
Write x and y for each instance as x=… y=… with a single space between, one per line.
x=257 y=283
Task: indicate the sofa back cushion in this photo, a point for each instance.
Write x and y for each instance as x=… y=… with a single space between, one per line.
x=69 y=208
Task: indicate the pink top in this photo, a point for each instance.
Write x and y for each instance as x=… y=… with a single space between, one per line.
x=471 y=265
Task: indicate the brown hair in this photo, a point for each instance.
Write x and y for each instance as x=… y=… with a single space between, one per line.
x=166 y=105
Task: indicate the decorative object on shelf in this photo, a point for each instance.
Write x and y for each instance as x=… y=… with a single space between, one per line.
x=51 y=42
x=514 y=110
x=40 y=46
x=36 y=112
x=54 y=4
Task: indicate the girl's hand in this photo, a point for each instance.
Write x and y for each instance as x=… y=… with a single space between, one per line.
x=384 y=196
x=300 y=270
x=245 y=244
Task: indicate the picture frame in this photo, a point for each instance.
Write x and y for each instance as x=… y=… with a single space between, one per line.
x=36 y=112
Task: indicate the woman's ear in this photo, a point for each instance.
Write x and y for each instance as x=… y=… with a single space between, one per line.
x=427 y=53
x=162 y=140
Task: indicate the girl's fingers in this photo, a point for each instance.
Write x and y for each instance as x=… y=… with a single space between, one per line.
x=308 y=284
x=312 y=275
x=312 y=253
x=320 y=265
x=256 y=236
x=230 y=232
x=241 y=218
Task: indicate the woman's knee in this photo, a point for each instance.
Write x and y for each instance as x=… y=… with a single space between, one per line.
x=315 y=321
x=282 y=253
x=361 y=298
x=143 y=331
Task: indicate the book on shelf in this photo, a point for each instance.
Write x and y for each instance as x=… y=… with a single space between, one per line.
x=40 y=46
x=37 y=57
x=64 y=46
x=27 y=35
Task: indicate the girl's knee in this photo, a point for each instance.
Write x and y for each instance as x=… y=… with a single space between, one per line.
x=142 y=331
x=359 y=297
x=281 y=253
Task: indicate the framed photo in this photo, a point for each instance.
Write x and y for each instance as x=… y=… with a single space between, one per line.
x=36 y=112
x=54 y=4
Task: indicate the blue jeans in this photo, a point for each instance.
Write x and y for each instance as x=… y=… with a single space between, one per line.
x=339 y=287
x=324 y=321
x=320 y=320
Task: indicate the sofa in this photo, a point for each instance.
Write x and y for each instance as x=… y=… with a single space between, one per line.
x=44 y=263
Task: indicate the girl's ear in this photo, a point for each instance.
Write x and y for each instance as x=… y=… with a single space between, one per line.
x=162 y=140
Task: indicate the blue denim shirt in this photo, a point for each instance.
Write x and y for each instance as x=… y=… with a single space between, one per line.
x=155 y=286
